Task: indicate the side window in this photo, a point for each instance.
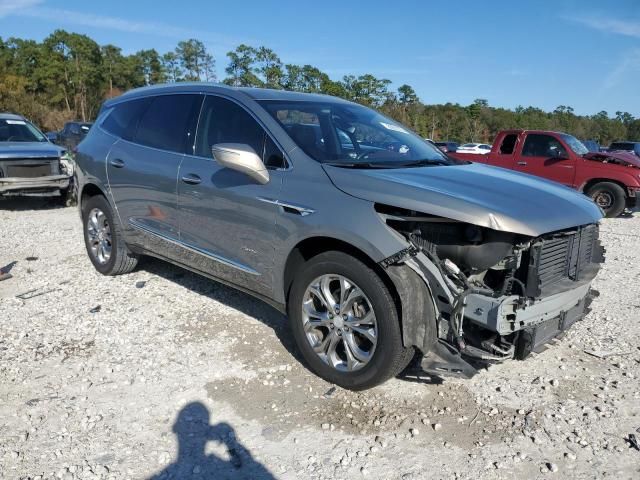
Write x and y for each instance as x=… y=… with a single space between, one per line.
x=273 y=156
x=508 y=144
x=165 y=124
x=304 y=128
x=123 y=119
x=223 y=121
x=537 y=145
x=75 y=129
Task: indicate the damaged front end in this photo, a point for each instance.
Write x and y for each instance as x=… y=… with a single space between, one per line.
x=493 y=295
x=35 y=175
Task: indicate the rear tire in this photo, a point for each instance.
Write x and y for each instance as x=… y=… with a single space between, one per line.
x=103 y=238
x=356 y=362
x=609 y=196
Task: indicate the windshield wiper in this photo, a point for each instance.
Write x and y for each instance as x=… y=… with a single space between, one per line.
x=361 y=165
x=425 y=163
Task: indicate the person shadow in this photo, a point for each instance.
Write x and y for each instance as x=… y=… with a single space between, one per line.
x=194 y=432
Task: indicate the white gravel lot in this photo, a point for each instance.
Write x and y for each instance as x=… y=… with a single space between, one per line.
x=163 y=374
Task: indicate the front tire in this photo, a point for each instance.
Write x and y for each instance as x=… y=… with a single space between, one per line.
x=345 y=322
x=609 y=196
x=103 y=239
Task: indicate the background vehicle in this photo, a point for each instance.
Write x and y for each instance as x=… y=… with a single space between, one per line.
x=611 y=179
x=330 y=231
x=71 y=135
x=592 y=146
x=29 y=163
x=478 y=148
x=633 y=147
x=447 y=146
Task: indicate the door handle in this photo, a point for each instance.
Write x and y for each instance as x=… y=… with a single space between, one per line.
x=522 y=163
x=191 y=179
x=116 y=162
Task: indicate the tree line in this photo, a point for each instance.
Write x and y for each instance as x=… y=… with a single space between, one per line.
x=68 y=76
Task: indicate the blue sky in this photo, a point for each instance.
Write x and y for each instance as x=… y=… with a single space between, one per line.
x=582 y=53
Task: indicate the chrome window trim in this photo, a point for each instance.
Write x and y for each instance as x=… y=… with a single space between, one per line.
x=192 y=248
x=195 y=137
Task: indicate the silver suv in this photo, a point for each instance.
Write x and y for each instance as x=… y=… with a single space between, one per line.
x=374 y=242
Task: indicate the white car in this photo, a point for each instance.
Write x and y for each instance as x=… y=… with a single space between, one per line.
x=478 y=148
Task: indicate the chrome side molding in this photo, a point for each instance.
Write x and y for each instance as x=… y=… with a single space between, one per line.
x=192 y=248
x=290 y=207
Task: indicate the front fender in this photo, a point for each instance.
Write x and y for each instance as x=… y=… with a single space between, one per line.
x=418 y=313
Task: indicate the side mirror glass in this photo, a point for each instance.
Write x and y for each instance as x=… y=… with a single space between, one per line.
x=242 y=158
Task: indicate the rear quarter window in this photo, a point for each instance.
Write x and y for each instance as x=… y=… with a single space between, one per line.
x=123 y=120
x=165 y=123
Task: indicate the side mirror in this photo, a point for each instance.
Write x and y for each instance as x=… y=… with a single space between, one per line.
x=558 y=154
x=242 y=158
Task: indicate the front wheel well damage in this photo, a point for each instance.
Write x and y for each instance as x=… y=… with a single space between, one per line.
x=310 y=247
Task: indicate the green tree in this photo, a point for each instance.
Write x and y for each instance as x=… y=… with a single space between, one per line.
x=240 y=69
x=407 y=95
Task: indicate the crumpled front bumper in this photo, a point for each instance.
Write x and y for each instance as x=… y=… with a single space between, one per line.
x=506 y=315
x=25 y=186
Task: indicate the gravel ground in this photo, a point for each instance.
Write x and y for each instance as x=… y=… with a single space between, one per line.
x=163 y=374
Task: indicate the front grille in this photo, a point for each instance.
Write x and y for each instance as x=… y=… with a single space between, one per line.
x=559 y=260
x=28 y=168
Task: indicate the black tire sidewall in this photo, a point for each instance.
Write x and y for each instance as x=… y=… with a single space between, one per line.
x=616 y=191
x=101 y=203
x=389 y=345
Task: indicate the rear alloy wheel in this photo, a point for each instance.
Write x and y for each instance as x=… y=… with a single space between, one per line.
x=345 y=322
x=102 y=236
x=610 y=197
x=99 y=236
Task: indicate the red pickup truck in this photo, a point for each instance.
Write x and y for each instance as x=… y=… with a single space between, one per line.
x=611 y=179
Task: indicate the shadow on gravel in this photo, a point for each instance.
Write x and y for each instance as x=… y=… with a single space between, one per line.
x=243 y=302
x=19 y=204
x=194 y=432
x=259 y=310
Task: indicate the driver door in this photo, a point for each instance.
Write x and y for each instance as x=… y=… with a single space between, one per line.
x=545 y=156
x=226 y=220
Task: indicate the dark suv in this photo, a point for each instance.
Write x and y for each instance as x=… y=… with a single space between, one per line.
x=633 y=147
x=373 y=241
x=72 y=134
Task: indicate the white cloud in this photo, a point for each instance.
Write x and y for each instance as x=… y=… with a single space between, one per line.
x=628 y=66
x=59 y=17
x=8 y=7
x=630 y=28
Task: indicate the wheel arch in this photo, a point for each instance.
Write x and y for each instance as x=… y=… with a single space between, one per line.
x=594 y=181
x=412 y=299
x=90 y=190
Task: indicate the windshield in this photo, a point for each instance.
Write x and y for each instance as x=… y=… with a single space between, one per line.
x=19 y=131
x=574 y=144
x=352 y=135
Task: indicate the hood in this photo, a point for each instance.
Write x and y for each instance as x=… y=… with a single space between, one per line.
x=487 y=196
x=9 y=150
x=618 y=157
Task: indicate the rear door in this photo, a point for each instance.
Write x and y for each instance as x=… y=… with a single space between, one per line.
x=142 y=167
x=545 y=156
x=504 y=156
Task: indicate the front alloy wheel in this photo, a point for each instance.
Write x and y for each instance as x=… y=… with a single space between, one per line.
x=345 y=321
x=339 y=322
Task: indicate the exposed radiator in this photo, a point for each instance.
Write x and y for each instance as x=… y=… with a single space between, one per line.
x=558 y=260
